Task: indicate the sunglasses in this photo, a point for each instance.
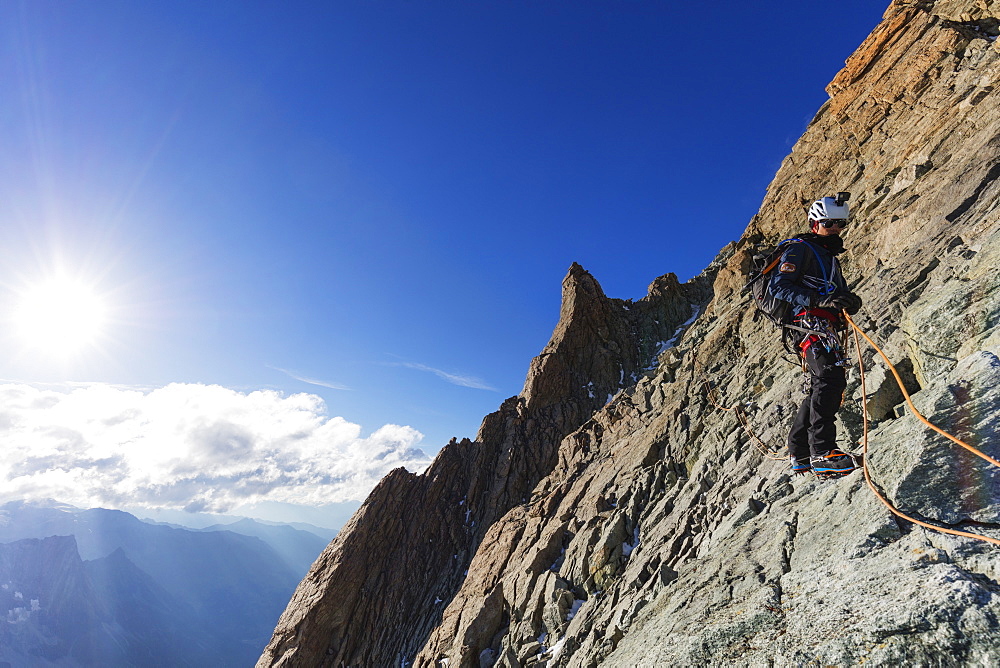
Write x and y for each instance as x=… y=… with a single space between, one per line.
x=839 y=222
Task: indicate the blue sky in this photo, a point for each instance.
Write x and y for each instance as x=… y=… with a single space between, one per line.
x=375 y=202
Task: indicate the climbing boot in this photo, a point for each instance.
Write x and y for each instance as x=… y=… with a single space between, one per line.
x=800 y=465
x=833 y=464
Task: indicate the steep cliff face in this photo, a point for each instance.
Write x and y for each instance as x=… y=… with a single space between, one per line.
x=648 y=529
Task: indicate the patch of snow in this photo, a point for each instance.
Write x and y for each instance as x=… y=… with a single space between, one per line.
x=557 y=648
x=663 y=346
x=981 y=31
x=695 y=312
x=557 y=564
x=628 y=547
x=575 y=609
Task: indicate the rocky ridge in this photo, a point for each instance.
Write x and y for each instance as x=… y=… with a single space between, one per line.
x=379 y=589
x=645 y=528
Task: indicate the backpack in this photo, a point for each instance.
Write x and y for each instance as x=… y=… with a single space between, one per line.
x=778 y=311
x=762 y=267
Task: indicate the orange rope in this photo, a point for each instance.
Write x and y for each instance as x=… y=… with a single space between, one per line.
x=759 y=444
x=909 y=402
x=864 y=458
x=708 y=392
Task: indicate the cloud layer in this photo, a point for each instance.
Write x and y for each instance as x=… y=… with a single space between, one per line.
x=197 y=447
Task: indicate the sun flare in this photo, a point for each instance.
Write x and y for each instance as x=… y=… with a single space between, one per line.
x=60 y=316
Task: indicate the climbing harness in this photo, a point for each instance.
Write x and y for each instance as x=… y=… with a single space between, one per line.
x=821 y=331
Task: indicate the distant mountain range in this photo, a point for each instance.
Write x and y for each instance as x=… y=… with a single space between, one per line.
x=324 y=521
x=296 y=547
x=102 y=588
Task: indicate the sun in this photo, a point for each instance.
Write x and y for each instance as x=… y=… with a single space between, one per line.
x=60 y=316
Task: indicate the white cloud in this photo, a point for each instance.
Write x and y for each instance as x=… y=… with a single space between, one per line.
x=455 y=379
x=310 y=381
x=199 y=447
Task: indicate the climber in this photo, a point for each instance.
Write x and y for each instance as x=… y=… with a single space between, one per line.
x=809 y=278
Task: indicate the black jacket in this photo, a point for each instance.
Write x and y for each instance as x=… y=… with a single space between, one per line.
x=809 y=271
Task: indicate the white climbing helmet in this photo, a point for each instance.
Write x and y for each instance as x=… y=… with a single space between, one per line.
x=830 y=208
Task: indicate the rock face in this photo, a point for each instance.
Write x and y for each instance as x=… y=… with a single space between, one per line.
x=611 y=514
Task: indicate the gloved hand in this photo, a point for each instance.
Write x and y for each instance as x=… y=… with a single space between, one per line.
x=847 y=301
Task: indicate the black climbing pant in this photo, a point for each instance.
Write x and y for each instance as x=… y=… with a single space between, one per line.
x=814 y=431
